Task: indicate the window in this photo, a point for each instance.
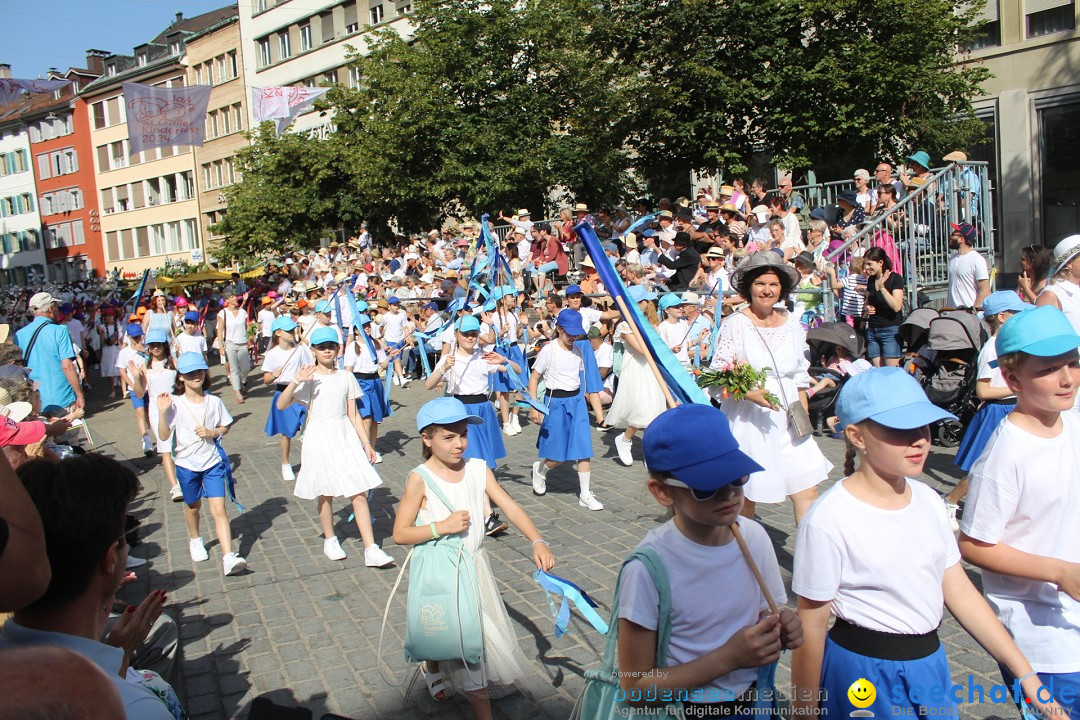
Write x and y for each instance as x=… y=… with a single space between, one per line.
x=354 y=77
x=405 y=9
x=187 y=185
x=329 y=77
x=140 y=59
x=66 y=234
x=157 y=236
x=47 y=204
x=207 y=180
x=351 y=23
x=264 y=52
x=174 y=47
x=231 y=64
x=305 y=37
x=111 y=246
x=225 y=118
x=35 y=134
x=1049 y=16
x=99 y=115
x=142 y=241
x=260 y=5
x=211 y=124
x=326 y=21
x=13 y=162
x=238 y=116
x=284 y=45
x=376 y=14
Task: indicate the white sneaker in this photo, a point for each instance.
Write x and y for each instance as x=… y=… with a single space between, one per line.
x=375 y=556
x=622 y=446
x=404 y=382
x=287 y=473
x=950 y=512
x=233 y=564
x=508 y=429
x=198 y=550
x=516 y=422
x=378 y=458
x=147 y=446
x=176 y=493
x=539 y=482
x=332 y=549
x=397 y=380
x=589 y=500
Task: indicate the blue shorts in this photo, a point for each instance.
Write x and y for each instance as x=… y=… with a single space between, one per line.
x=137 y=402
x=198 y=484
x=883 y=341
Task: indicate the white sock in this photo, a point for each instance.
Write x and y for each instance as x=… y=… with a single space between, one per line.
x=543 y=471
x=583 y=481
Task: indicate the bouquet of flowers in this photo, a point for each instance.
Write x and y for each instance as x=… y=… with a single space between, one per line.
x=735 y=379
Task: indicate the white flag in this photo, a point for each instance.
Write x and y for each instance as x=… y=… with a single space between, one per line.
x=283 y=104
x=10 y=88
x=161 y=116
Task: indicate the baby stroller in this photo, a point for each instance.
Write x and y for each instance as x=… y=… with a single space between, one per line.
x=822 y=341
x=943 y=353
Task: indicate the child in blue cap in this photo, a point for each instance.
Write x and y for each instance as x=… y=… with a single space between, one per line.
x=158 y=376
x=445 y=425
x=198 y=420
x=279 y=367
x=133 y=355
x=877 y=552
x=192 y=338
x=996 y=397
x=716 y=647
x=564 y=431
x=372 y=403
x=1021 y=521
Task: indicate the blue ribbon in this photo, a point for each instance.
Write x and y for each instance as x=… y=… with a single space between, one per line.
x=138 y=293
x=230 y=483
x=553 y=584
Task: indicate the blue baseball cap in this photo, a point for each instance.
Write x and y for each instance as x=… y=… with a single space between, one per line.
x=669 y=448
x=570 y=322
x=1004 y=301
x=191 y=316
x=190 y=362
x=889 y=396
x=134 y=330
x=444 y=411
x=363 y=319
x=1043 y=332
x=392 y=301
x=284 y=322
x=572 y=290
x=157 y=335
x=638 y=293
x=323 y=306
x=361 y=305
x=324 y=335
x=469 y=323
x=429 y=306
x=670 y=300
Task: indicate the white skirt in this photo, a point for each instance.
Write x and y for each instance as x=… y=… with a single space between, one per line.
x=639 y=398
x=109 y=353
x=791 y=466
x=333 y=462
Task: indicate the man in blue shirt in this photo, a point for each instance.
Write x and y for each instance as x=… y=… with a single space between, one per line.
x=51 y=357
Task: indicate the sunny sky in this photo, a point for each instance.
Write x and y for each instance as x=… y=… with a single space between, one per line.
x=56 y=33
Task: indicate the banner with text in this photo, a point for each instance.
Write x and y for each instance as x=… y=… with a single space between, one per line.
x=11 y=88
x=283 y=104
x=161 y=116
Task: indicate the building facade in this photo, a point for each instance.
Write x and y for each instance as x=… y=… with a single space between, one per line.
x=149 y=207
x=290 y=44
x=1032 y=112
x=23 y=260
x=214 y=58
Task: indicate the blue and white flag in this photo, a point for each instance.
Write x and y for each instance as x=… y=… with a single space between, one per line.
x=162 y=117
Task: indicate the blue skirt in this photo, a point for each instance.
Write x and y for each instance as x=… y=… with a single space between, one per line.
x=1065 y=687
x=924 y=685
x=284 y=422
x=372 y=401
x=983 y=425
x=485 y=439
x=592 y=380
x=500 y=381
x=565 y=433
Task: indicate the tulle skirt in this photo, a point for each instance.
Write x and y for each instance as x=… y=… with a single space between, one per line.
x=333 y=461
x=639 y=398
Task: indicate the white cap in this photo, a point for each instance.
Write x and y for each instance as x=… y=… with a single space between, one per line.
x=42 y=300
x=1064 y=252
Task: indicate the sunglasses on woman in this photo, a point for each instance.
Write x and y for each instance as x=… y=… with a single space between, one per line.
x=704 y=495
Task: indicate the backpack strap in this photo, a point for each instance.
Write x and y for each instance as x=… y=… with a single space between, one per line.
x=430 y=484
x=658 y=572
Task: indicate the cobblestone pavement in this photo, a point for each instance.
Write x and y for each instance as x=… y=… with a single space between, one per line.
x=303 y=630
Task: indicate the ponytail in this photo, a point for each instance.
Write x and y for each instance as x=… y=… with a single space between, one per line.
x=849 y=456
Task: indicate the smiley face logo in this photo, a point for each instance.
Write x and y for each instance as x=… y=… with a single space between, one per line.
x=862 y=693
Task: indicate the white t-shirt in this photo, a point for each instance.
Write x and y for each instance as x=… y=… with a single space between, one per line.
x=469 y=376
x=792 y=233
x=191 y=343
x=882 y=569
x=696 y=572
x=432 y=324
x=127 y=355
x=360 y=361
x=1025 y=493
x=394 y=326
x=278 y=357
x=561 y=368
x=235 y=326
x=965 y=272
x=993 y=374
x=266 y=319
x=605 y=358
x=675 y=333
x=76 y=330
x=192 y=452
x=589 y=316
x=497 y=320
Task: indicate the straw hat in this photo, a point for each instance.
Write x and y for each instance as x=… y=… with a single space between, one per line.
x=760 y=261
x=581 y=207
x=729 y=207
x=956 y=156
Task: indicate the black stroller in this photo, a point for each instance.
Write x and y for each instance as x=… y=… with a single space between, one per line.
x=822 y=341
x=943 y=353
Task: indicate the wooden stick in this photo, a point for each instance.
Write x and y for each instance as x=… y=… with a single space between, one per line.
x=648 y=356
x=753 y=567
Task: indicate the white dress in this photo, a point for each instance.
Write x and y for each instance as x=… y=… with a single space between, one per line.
x=109 y=352
x=333 y=461
x=504 y=661
x=790 y=465
x=639 y=398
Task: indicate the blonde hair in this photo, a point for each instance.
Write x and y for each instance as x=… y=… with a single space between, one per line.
x=650 y=312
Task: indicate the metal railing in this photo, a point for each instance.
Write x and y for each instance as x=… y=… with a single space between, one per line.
x=920 y=224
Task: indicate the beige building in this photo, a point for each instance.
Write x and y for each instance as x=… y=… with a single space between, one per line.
x=214 y=58
x=149 y=208
x=1032 y=110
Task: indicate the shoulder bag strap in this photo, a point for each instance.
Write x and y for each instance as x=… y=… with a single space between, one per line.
x=429 y=483
x=775 y=369
x=658 y=572
x=33 y=340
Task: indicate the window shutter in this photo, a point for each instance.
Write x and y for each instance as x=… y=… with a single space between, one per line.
x=43 y=166
x=1033 y=6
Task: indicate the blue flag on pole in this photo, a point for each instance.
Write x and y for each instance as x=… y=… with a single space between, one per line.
x=678 y=379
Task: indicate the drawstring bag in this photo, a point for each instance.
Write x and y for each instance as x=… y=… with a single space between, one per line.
x=442 y=620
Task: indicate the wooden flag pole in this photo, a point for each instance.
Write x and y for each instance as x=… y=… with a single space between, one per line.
x=648 y=355
x=753 y=567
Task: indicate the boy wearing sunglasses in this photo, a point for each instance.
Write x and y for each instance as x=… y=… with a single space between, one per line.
x=716 y=647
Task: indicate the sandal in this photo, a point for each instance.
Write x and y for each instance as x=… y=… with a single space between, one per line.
x=436 y=684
